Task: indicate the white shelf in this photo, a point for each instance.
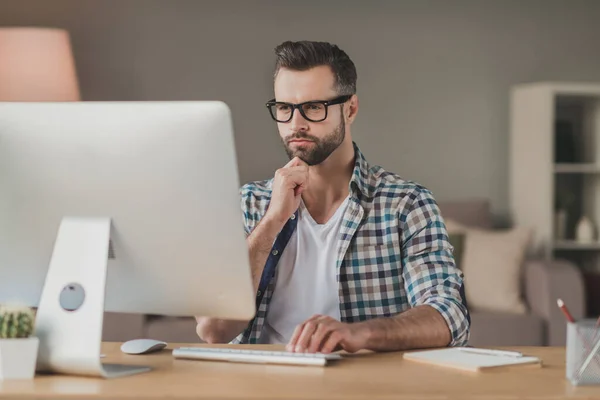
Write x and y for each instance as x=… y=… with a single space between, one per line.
x=575 y=168
x=574 y=245
x=544 y=115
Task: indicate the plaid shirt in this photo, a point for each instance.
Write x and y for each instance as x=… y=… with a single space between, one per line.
x=393 y=252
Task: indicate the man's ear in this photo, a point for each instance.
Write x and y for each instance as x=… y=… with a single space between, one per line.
x=352 y=109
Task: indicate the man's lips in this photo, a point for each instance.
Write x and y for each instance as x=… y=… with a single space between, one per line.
x=300 y=141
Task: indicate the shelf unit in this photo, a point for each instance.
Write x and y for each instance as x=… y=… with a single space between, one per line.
x=575 y=168
x=555 y=164
x=565 y=245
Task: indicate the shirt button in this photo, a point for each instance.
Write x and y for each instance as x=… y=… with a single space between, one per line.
x=293 y=216
x=275 y=252
x=259 y=293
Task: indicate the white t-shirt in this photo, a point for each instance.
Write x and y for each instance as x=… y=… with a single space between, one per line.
x=306 y=281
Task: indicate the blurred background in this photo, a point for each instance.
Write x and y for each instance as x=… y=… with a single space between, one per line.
x=437 y=81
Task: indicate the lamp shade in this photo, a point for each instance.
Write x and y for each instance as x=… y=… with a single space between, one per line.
x=36 y=64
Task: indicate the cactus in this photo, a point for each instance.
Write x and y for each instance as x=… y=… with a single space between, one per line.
x=16 y=321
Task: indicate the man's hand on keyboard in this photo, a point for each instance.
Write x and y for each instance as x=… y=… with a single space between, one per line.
x=324 y=334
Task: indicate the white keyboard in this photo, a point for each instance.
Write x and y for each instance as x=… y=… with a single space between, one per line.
x=253 y=356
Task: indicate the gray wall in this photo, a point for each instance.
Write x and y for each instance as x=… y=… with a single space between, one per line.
x=433 y=81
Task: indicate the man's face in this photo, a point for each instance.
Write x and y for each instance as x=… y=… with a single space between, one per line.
x=312 y=142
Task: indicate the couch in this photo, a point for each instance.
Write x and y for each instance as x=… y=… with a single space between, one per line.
x=543 y=282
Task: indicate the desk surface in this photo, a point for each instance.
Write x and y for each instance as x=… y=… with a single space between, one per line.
x=366 y=375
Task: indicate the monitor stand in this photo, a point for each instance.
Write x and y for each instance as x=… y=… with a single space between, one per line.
x=71 y=309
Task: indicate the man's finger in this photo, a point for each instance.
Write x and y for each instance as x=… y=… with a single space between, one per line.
x=293 y=341
x=307 y=332
x=298 y=190
x=297 y=178
x=295 y=162
x=332 y=342
x=321 y=333
x=291 y=163
x=296 y=170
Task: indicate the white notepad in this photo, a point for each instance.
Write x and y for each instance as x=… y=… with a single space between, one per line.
x=455 y=357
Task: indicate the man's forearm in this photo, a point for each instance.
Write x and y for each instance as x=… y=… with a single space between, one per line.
x=419 y=327
x=260 y=243
x=213 y=330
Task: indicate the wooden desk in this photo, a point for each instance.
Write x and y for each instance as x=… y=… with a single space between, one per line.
x=361 y=376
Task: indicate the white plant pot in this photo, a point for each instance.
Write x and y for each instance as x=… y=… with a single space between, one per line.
x=18 y=358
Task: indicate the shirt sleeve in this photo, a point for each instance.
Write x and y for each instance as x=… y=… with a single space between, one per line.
x=430 y=273
x=246 y=207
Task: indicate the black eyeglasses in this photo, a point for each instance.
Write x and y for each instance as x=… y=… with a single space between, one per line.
x=314 y=111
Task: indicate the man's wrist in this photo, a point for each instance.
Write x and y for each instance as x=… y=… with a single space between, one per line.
x=273 y=224
x=367 y=333
x=265 y=234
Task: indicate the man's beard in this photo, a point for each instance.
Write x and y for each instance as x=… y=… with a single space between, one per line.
x=321 y=149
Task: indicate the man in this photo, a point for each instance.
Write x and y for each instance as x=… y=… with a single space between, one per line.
x=344 y=255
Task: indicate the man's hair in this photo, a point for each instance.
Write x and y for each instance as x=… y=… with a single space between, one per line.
x=304 y=55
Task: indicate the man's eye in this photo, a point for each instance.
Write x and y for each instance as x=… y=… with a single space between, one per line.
x=283 y=107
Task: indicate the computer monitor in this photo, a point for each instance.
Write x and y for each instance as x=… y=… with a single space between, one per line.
x=159 y=179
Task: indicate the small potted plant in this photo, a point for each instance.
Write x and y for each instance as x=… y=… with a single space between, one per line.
x=18 y=348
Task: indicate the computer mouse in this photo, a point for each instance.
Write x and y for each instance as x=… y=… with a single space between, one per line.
x=142 y=346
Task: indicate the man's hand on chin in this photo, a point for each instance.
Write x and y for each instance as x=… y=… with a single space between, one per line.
x=323 y=334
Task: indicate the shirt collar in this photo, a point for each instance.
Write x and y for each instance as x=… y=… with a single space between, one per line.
x=360 y=175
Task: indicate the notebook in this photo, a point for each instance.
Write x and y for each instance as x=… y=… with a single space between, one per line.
x=457 y=357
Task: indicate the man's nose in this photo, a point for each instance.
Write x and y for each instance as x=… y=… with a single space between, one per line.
x=298 y=122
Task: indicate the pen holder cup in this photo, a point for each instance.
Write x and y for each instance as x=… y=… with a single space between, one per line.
x=583 y=353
